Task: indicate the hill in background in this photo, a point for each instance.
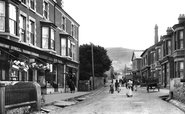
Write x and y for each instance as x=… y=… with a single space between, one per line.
x=120 y=57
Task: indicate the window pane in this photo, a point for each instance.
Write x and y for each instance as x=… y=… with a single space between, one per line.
x=45 y=43
x=52 y=39
x=45 y=37
x=12 y=19
x=52 y=34
x=45 y=9
x=181 y=34
x=181 y=65
x=32 y=4
x=2 y=8
x=63 y=46
x=12 y=12
x=2 y=23
x=23 y=28
x=31 y=32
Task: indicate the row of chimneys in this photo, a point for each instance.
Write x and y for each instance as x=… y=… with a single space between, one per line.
x=169 y=29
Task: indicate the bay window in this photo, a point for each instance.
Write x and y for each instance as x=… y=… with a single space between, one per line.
x=179 y=43
x=2 y=16
x=23 y=28
x=12 y=19
x=48 y=35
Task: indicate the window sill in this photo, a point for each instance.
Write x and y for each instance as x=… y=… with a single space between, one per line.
x=25 y=5
x=33 y=10
x=9 y=34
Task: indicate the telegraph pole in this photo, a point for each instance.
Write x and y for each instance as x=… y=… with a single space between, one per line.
x=92 y=53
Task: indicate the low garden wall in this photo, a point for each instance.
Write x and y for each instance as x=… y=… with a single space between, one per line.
x=20 y=98
x=177 y=90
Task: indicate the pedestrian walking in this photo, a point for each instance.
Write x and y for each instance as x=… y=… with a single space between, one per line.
x=136 y=82
x=129 y=88
x=117 y=86
x=104 y=80
x=111 y=87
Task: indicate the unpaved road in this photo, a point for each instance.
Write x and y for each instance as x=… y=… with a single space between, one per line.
x=117 y=103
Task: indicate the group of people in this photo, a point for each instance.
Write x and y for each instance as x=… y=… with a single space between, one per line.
x=130 y=85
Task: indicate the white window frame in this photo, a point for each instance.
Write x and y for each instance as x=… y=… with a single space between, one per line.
x=2 y=17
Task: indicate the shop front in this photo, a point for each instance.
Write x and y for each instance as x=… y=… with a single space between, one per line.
x=20 y=62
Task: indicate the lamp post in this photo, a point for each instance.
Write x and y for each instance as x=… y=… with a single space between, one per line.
x=92 y=54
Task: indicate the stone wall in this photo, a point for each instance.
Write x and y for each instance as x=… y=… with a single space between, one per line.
x=177 y=88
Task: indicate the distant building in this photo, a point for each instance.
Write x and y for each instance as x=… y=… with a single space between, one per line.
x=136 y=64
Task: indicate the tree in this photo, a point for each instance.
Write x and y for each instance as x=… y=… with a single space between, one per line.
x=102 y=62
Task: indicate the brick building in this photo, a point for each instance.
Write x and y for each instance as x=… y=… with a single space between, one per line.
x=39 y=42
x=151 y=67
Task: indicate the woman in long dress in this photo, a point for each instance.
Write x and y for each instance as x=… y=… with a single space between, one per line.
x=129 y=88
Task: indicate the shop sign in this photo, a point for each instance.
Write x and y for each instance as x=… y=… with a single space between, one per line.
x=30 y=53
x=35 y=54
x=59 y=61
x=4 y=45
x=15 y=48
x=25 y=51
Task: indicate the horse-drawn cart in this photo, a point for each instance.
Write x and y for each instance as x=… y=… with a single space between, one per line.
x=153 y=83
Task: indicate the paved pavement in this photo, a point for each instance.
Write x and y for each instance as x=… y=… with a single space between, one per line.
x=52 y=98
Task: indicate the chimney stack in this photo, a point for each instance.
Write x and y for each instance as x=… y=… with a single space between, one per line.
x=156 y=34
x=169 y=30
x=181 y=18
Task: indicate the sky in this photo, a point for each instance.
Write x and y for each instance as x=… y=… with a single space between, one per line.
x=123 y=23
